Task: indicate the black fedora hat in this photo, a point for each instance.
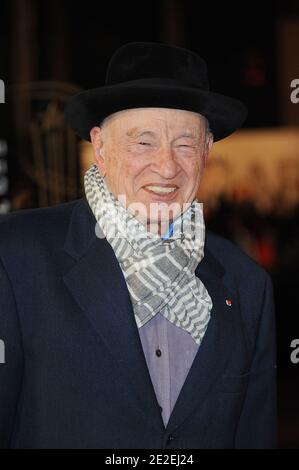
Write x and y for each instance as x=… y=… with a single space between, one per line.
x=146 y=74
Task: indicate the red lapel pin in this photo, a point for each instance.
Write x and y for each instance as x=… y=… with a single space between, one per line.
x=229 y=302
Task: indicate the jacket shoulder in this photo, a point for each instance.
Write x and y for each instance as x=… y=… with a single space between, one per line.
x=23 y=230
x=236 y=262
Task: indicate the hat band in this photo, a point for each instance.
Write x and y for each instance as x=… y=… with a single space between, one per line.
x=161 y=81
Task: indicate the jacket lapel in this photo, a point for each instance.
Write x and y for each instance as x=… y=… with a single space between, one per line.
x=97 y=284
x=216 y=346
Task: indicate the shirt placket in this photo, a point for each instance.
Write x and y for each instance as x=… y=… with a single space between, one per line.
x=163 y=364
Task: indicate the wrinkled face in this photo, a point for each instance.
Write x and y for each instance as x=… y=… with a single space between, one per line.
x=153 y=158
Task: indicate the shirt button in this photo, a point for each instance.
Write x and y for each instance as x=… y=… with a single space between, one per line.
x=158 y=353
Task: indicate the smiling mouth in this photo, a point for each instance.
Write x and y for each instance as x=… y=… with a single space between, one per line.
x=165 y=191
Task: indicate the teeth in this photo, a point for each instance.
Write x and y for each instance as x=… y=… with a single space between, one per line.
x=160 y=189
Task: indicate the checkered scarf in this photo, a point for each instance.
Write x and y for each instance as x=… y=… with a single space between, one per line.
x=160 y=273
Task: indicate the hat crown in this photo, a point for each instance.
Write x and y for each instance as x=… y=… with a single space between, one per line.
x=142 y=61
x=155 y=75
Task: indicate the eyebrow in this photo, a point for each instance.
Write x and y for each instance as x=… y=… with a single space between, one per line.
x=135 y=131
x=186 y=134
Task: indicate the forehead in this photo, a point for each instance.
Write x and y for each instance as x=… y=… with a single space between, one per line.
x=156 y=118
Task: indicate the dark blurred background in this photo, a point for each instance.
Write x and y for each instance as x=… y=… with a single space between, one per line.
x=50 y=49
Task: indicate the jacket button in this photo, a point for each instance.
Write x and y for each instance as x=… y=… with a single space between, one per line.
x=170 y=438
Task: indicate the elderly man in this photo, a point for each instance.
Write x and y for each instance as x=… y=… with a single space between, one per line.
x=125 y=323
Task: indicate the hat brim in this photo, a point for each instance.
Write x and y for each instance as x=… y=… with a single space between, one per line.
x=88 y=109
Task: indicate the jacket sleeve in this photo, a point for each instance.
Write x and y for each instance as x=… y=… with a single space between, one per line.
x=257 y=427
x=11 y=359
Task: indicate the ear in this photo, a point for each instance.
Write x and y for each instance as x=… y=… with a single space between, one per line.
x=97 y=143
x=208 y=147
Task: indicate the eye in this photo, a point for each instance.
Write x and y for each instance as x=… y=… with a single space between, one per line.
x=185 y=146
x=185 y=143
x=144 y=143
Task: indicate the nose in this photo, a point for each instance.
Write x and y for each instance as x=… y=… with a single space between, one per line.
x=165 y=164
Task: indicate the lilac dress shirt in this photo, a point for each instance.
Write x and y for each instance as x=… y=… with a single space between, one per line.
x=169 y=352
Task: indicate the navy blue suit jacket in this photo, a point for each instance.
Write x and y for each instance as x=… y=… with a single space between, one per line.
x=75 y=375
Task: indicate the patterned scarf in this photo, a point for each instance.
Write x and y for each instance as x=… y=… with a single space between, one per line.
x=160 y=273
